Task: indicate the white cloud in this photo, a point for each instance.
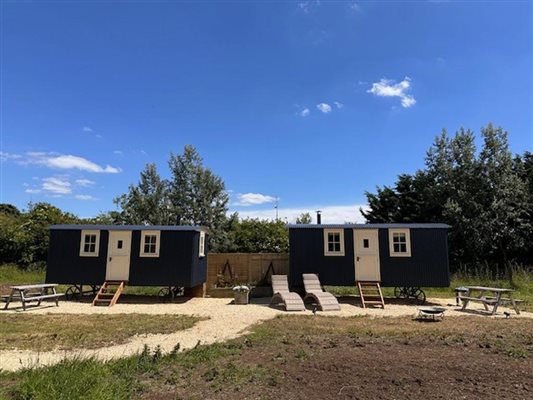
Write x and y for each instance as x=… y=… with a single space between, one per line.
x=408 y=101
x=33 y=190
x=56 y=186
x=304 y=6
x=84 y=182
x=354 y=6
x=9 y=156
x=118 y=152
x=307 y=6
x=330 y=214
x=75 y=162
x=304 y=113
x=389 y=88
x=53 y=160
x=86 y=129
x=324 y=107
x=338 y=105
x=253 y=199
x=84 y=197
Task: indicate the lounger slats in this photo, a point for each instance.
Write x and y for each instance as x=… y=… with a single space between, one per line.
x=291 y=300
x=313 y=289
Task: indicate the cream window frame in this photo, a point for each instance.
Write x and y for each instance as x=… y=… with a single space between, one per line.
x=87 y=232
x=327 y=252
x=201 y=245
x=407 y=233
x=144 y=234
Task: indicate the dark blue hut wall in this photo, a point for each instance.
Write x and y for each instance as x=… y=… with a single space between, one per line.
x=178 y=263
x=307 y=256
x=171 y=268
x=65 y=264
x=199 y=264
x=427 y=266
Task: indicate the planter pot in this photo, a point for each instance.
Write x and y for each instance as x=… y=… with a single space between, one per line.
x=241 y=297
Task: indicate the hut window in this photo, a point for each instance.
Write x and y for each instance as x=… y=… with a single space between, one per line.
x=333 y=242
x=399 y=243
x=201 y=245
x=90 y=243
x=150 y=243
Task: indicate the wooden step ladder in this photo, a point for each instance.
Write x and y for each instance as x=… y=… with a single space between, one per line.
x=370 y=293
x=109 y=293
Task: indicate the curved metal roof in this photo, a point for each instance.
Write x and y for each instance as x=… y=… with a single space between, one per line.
x=369 y=226
x=131 y=227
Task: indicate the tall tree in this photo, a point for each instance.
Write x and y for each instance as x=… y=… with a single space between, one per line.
x=485 y=197
x=148 y=202
x=504 y=215
x=304 y=218
x=197 y=196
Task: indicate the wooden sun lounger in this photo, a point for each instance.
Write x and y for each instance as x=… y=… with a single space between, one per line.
x=291 y=300
x=313 y=291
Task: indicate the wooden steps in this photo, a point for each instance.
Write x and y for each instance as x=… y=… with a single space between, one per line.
x=109 y=293
x=370 y=293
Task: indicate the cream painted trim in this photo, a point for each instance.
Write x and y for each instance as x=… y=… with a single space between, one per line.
x=201 y=245
x=157 y=234
x=407 y=233
x=341 y=238
x=82 y=243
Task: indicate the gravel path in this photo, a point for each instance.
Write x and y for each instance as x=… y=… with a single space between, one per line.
x=226 y=321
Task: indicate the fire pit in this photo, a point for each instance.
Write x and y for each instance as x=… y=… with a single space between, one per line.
x=431 y=313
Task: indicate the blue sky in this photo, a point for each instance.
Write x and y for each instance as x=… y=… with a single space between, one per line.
x=314 y=102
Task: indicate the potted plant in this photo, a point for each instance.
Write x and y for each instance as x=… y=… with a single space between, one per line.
x=241 y=293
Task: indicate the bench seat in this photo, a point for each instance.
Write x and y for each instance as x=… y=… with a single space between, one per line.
x=43 y=297
x=480 y=299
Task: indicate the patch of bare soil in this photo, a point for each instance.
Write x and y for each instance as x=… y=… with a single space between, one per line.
x=359 y=358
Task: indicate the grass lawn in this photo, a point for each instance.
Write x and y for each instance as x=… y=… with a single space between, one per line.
x=67 y=331
x=311 y=357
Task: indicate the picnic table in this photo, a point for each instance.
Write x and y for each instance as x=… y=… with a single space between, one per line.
x=29 y=293
x=489 y=296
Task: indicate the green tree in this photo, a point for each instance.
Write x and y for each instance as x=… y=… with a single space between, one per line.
x=304 y=218
x=504 y=215
x=147 y=203
x=9 y=209
x=261 y=236
x=197 y=196
x=34 y=234
x=485 y=197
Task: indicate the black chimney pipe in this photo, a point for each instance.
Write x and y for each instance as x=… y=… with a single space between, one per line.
x=318 y=217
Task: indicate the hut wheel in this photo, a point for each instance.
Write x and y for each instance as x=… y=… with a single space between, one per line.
x=165 y=295
x=73 y=293
x=419 y=296
x=401 y=292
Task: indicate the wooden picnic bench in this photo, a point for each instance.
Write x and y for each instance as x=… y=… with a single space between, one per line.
x=494 y=299
x=30 y=293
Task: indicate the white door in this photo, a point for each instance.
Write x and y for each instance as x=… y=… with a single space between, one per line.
x=366 y=244
x=118 y=256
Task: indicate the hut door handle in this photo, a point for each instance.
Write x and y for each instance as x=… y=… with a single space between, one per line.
x=110 y=258
x=358 y=258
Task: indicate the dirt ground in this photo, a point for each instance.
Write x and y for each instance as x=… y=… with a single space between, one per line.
x=224 y=321
x=364 y=358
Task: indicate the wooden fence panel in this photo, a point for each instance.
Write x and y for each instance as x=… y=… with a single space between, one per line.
x=246 y=267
